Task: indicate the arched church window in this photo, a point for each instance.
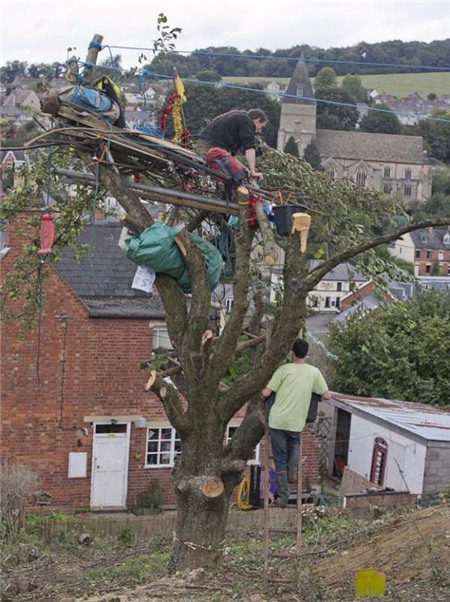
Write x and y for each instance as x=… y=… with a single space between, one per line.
x=330 y=172
x=361 y=178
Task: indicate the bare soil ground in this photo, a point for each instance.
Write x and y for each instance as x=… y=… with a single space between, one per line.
x=412 y=548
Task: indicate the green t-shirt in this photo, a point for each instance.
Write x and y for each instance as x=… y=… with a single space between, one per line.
x=293 y=385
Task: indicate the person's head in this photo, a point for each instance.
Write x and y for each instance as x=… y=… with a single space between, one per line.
x=259 y=118
x=300 y=348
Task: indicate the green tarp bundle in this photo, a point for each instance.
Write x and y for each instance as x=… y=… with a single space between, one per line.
x=156 y=248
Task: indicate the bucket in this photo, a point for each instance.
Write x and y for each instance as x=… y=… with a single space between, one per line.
x=282 y=217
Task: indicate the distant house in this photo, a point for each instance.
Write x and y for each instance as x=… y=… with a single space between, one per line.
x=22 y=99
x=392 y=164
x=334 y=286
x=11 y=160
x=389 y=444
x=427 y=250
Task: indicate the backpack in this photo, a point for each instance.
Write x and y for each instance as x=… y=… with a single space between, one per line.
x=225 y=163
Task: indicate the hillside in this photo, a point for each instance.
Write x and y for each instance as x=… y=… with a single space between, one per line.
x=397 y=84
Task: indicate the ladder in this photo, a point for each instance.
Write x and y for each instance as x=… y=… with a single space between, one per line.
x=295 y=552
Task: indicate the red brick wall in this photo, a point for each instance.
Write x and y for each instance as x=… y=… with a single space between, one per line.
x=423 y=261
x=85 y=367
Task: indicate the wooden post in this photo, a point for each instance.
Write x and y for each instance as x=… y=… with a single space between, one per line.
x=91 y=58
x=266 y=484
x=299 y=497
x=72 y=64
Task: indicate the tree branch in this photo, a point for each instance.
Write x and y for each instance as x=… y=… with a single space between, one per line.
x=171 y=401
x=319 y=272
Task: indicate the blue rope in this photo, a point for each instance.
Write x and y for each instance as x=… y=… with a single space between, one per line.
x=423 y=116
x=290 y=58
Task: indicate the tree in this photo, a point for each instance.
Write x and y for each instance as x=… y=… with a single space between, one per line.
x=401 y=351
x=339 y=105
x=312 y=156
x=208 y=470
x=291 y=147
x=353 y=85
x=325 y=80
x=380 y=122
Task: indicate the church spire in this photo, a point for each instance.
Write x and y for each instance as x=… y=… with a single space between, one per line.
x=300 y=86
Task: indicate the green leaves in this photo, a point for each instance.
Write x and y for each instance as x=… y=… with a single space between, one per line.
x=401 y=351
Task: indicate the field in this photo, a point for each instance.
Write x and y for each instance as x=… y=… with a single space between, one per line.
x=397 y=84
x=123 y=562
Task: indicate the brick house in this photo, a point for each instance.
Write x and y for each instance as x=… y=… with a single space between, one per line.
x=74 y=404
x=428 y=250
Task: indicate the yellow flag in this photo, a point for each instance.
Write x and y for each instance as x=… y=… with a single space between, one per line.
x=179 y=87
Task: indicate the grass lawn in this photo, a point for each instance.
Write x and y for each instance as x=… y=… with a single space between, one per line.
x=397 y=84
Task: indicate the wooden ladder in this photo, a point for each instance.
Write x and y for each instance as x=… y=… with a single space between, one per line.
x=297 y=531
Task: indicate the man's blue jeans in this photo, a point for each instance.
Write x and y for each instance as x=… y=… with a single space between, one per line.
x=285 y=446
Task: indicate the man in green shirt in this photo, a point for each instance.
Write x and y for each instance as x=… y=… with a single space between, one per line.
x=293 y=384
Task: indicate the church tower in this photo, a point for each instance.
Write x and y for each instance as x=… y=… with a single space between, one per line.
x=298 y=110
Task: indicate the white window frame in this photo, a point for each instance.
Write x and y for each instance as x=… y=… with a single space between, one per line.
x=228 y=437
x=229 y=304
x=160 y=334
x=161 y=455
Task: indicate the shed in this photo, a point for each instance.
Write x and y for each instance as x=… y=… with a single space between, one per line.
x=391 y=444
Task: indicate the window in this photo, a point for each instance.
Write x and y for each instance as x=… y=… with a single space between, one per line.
x=327 y=301
x=230 y=432
x=407 y=174
x=163 y=446
x=161 y=338
x=330 y=172
x=387 y=189
x=407 y=191
x=361 y=178
x=428 y=254
x=339 y=286
x=441 y=255
x=229 y=304
x=417 y=254
x=428 y=269
x=387 y=172
x=379 y=457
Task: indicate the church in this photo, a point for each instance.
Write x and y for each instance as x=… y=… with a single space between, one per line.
x=391 y=163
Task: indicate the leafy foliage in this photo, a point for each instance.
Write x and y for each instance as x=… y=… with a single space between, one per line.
x=378 y=122
x=400 y=351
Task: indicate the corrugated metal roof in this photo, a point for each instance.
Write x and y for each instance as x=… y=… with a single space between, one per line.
x=430 y=422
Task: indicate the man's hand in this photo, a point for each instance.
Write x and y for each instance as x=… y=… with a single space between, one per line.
x=255 y=175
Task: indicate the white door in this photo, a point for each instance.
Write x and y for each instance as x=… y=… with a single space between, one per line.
x=110 y=465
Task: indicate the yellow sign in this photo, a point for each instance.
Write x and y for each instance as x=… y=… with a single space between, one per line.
x=369 y=582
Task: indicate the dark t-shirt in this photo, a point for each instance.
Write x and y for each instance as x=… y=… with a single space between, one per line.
x=232 y=131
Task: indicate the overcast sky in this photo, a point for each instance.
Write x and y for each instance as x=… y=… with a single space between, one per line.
x=42 y=30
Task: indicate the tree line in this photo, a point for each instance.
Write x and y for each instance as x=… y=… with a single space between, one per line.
x=228 y=61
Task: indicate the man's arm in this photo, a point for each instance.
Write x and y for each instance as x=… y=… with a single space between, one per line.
x=250 y=155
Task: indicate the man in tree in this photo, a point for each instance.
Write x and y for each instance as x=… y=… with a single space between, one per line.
x=293 y=384
x=234 y=131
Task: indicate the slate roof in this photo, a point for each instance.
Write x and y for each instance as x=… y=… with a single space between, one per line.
x=300 y=87
x=342 y=272
x=370 y=147
x=423 y=239
x=103 y=279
